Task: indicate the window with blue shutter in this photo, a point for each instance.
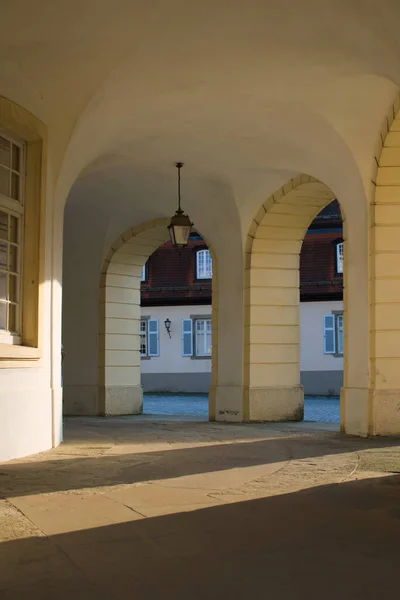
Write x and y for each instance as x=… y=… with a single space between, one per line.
x=153 y=340
x=329 y=334
x=187 y=337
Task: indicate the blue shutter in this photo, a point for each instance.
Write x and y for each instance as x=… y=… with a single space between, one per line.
x=329 y=334
x=187 y=337
x=152 y=332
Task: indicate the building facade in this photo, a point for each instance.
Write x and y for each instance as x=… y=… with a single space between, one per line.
x=176 y=325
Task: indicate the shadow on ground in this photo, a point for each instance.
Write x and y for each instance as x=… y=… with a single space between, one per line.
x=128 y=463
x=333 y=541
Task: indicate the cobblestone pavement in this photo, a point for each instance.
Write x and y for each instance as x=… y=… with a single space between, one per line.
x=129 y=508
x=316 y=408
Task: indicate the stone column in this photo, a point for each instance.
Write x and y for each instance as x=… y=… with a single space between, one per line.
x=272 y=300
x=384 y=409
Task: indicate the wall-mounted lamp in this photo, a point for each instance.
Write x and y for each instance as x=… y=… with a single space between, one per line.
x=167 y=324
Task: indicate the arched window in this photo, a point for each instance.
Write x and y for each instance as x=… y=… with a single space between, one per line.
x=203 y=264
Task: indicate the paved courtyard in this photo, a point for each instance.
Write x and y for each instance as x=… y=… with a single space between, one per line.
x=133 y=508
x=319 y=409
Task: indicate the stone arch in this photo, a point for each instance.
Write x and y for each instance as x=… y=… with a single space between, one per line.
x=384 y=270
x=272 y=342
x=120 y=390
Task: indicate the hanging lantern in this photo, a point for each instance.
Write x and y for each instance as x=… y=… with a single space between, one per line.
x=180 y=225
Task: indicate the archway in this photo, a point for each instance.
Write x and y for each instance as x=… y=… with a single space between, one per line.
x=272 y=340
x=131 y=337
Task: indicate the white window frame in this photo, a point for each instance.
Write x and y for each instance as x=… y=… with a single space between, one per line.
x=339 y=328
x=189 y=336
x=143 y=273
x=14 y=208
x=205 y=332
x=339 y=257
x=203 y=264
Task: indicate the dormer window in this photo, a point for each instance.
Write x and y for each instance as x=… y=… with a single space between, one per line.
x=339 y=257
x=203 y=265
x=143 y=274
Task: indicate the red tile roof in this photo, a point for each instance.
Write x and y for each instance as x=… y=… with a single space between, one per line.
x=171 y=273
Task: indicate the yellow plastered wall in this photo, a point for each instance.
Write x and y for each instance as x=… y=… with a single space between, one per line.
x=385 y=284
x=385 y=265
x=271 y=296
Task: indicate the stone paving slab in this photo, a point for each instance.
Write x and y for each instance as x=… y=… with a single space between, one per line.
x=138 y=509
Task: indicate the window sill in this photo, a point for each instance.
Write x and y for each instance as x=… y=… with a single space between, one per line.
x=207 y=357
x=14 y=352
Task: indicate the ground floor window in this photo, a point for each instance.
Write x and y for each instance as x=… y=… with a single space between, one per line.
x=149 y=338
x=202 y=340
x=333 y=334
x=11 y=216
x=197 y=337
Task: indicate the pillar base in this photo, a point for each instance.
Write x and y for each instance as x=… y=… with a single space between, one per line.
x=354 y=411
x=385 y=411
x=276 y=404
x=121 y=400
x=228 y=402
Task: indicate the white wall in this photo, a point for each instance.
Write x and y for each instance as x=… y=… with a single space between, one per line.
x=312 y=357
x=171 y=359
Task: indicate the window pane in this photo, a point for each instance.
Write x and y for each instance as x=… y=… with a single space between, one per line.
x=5 y=148
x=3 y=256
x=13 y=229
x=16 y=158
x=12 y=293
x=204 y=264
x=12 y=318
x=4 y=181
x=3 y=315
x=339 y=325
x=13 y=259
x=3 y=225
x=203 y=337
x=339 y=258
x=15 y=186
x=3 y=286
x=208 y=344
x=143 y=337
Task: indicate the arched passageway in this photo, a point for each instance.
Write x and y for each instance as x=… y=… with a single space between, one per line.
x=272 y=359
x=118 y=389
x=272 y=300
